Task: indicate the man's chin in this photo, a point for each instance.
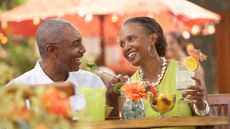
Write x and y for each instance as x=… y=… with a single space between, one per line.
x=74 y=69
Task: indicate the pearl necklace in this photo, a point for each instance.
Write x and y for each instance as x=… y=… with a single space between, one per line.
x=160 y=75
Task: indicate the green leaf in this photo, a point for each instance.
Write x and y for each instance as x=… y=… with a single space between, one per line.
x=147 y=88
x=118 y=86
x=92 y=67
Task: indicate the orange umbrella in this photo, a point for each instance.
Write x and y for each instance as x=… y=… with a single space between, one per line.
x=179 y=14
x=182 y=11
x=40 y=9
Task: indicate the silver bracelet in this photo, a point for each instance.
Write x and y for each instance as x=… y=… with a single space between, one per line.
x=203 y=112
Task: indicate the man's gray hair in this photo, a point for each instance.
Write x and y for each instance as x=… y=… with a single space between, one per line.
x=50 y=31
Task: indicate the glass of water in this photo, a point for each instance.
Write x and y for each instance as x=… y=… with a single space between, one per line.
x=184 y=79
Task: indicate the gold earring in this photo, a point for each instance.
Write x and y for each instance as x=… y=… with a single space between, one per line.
x=149 y=51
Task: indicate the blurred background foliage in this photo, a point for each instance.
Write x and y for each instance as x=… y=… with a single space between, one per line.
x=8 y=4
x=18 y=55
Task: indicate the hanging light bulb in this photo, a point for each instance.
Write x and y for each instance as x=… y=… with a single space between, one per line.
x=88 y=18
x=195 y=30
x=18 y=19
x=151 y=15
x=189 y=47
x=211 y=29
x=114 y=18
x=60 y=14
x=1 y=36
x=36 y=21
x=43 y=17
x=81 y=13
x=4 y=40
x=186 y=34
x=4 y=25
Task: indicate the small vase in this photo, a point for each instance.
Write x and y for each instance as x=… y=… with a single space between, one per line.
x=133 y=109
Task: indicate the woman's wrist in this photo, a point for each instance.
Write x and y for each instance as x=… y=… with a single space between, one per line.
x=202 y=111
x=200 y=104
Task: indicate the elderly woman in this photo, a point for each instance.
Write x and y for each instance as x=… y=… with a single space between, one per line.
x=143 y=45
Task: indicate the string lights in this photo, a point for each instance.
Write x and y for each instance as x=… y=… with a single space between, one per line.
x=114 y=18
x=4 y=24
x=3 y=39
x=186 y=34
x=36 y=21
x=88 y=18
x=195 y=30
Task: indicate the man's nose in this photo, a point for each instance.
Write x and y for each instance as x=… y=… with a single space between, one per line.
x=82 y=50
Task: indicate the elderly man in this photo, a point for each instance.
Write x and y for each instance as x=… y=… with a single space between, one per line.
x=61 y=49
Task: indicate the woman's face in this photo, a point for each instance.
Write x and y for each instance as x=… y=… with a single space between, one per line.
x=173 y=47
x=134 y=43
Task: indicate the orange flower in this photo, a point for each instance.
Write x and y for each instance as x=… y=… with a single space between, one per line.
x=41 y=126
x=197 y=54
x=21 y=112
x=134 y=91
x=57 y=102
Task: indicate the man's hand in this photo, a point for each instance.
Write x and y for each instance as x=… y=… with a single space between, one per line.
x=118 y=79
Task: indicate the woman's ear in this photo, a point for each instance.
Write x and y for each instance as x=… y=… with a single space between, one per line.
x=154 y=38
x=51 y=50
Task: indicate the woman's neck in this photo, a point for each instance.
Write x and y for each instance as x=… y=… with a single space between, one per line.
x=151 y=69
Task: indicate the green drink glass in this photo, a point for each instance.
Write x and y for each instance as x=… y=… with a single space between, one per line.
x=95 y=104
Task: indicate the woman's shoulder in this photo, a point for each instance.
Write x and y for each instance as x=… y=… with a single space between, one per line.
x=135 y=76
x=171 y=68
x=172 y=64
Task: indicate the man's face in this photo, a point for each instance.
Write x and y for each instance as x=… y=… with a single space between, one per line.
x=70 y=50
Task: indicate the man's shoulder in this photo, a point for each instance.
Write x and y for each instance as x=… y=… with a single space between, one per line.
x=83 y=77
x=84 y=73
x=26 y=78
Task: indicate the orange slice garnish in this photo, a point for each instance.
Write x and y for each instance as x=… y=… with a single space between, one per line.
x=191 y=63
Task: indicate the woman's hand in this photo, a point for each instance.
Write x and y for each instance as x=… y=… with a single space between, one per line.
x=195 y=94
x=118 y=79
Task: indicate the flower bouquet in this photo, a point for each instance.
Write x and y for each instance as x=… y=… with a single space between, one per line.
x=49 y=109
x=133 y=94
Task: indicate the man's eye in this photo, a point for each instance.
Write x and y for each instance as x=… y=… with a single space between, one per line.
x=122 y=44
x=76 y=43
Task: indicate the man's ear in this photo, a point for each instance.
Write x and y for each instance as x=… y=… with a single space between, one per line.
x=51 y=50
x=154 y=38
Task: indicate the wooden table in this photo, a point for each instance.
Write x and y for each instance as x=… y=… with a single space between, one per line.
x=155 y=122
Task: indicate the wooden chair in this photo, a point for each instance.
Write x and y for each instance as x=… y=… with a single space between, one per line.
x=220 y=105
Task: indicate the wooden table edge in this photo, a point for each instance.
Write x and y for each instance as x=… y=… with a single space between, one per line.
x=158 y=122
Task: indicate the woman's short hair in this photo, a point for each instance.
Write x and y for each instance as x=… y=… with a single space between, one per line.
x=151 y=26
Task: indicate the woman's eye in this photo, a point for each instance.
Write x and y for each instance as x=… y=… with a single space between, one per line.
x=131 y=38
